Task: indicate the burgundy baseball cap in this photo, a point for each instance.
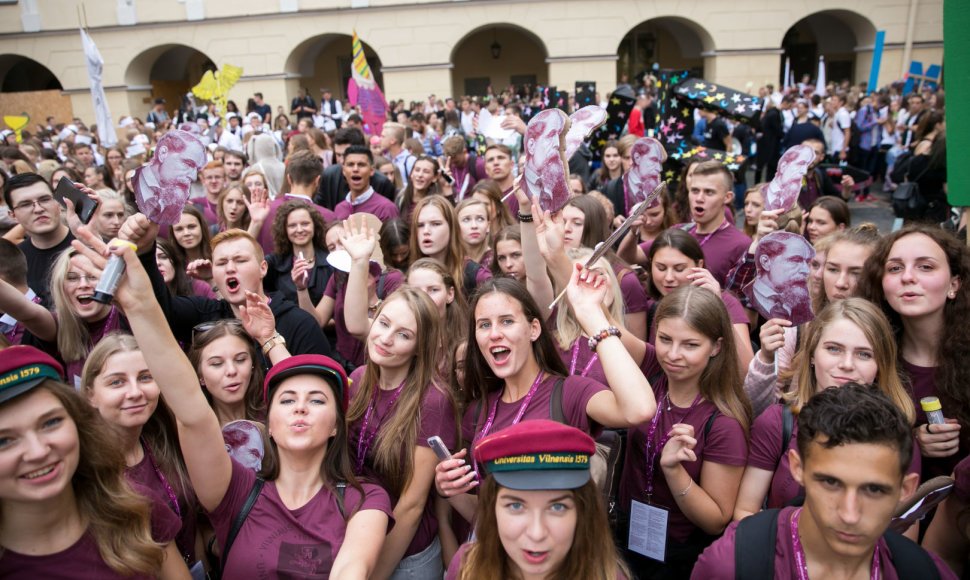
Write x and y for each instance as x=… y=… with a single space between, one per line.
x=24 y=367
x=539 y=454
x=308 y=364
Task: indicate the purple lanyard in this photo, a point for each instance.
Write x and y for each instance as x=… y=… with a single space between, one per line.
x=802 y=566
x=723 y=225
x=362 y=446
x=168 y=489
x=589 y=365
x=518 y=416
x=653 y=452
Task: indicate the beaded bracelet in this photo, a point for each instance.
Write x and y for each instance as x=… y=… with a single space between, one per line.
x=525 y=217
x=594 y=341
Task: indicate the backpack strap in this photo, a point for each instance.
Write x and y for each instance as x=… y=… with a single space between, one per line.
x=754 y=546
x=380 y=285
x=342 y=492
x=555 y=402
x=710 y=423
x=787 y=427
x=471 y=273
x=909 y=559
x=240 y=518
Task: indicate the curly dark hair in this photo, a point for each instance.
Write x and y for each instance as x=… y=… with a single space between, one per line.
x=281 y=242
x=952 y=373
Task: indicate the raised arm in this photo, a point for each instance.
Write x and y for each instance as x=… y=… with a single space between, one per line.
x=359 y=242
x=630 y=400
x=209 y=466
x=537 y=279
x=35 y=318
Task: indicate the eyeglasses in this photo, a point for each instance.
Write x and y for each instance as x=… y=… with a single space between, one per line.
x=76 y=278
x=28 y=205
x=207 y=326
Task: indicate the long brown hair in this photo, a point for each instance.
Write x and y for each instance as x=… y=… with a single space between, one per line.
x=875 y=327
x=952 y=373
x=397 y=437
x=204 y=246
x=479 y=378
x=453 y=253
x=220 y=211
x=720 y=382
x=118 y=518
x=491 y=190
x=456 y=313
x=255 y=408
x=406 y=197
x=592 y=555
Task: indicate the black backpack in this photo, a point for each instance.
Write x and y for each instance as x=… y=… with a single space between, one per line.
x=754 y=550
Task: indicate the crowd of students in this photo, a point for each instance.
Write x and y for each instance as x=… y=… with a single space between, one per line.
x=649 y=424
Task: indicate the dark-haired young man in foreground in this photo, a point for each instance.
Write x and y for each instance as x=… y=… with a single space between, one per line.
x=854 y=449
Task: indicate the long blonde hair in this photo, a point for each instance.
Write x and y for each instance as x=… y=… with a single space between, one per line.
x=73 y=338
x=394 y=446
x=874 y=325
x=568 y=329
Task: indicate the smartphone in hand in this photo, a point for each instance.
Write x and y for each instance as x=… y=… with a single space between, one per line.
x=438 y=446
x=83 y=205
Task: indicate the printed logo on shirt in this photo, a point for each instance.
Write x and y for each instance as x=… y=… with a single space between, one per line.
x=299 y=561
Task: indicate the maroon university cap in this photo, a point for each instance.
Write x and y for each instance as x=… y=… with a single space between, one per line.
x=308 y=364
x=24 y=367
x=539 y=454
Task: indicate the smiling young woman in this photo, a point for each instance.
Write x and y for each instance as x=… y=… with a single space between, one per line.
x=66 y=502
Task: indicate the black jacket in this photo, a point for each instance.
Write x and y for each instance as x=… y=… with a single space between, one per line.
x=334 y=188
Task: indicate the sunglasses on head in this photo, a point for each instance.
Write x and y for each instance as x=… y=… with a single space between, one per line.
x=207 y=326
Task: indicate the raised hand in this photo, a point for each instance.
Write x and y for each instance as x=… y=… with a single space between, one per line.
x=358 y=239
x=703 y=278
x=257 y=318
x=772 y=338
x=300 y=273
x=200 y=269
x=258 y=205
x=139 y=230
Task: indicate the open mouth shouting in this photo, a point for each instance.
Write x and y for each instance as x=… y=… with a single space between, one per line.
x=500 y=354
x=232 y=284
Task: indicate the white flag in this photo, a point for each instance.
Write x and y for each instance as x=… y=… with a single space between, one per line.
x=106 y=129
x=820 y=79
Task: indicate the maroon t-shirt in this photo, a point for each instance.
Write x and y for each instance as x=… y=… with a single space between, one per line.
x=277 y=542
x=436 y=417
x=767 y=453
x=576 y=393
x=377 y=204
x=635 y=298
x=717 y=562
x=923 y=384
x=721 y=250
x=584 y=355
x=265 y=237
x=349 y=347
x=725 y=444
x=144 y=475
x=82 y=561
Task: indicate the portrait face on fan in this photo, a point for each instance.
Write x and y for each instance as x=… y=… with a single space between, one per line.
x=648 y=156
x=162 y=185
x=782 y=192
x=780 y=289
x=545 y=164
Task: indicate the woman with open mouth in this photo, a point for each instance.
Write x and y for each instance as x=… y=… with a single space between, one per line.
x=425 y=181
x=117 y=383
x=77 y=322
x=66 y=500
x=538 y=523
x=920 y=277
x=435 y=233
x=515 y=373
x=849 y=341
x=304 y=513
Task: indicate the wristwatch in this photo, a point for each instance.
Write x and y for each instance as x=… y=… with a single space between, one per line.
x=274 y=341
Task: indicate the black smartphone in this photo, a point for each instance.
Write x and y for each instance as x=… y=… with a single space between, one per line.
x=83 y=205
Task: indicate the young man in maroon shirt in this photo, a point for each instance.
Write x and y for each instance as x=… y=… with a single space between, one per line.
x=854 y=449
